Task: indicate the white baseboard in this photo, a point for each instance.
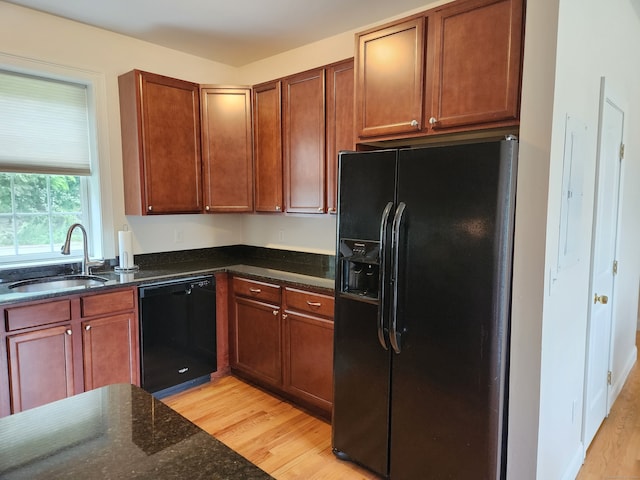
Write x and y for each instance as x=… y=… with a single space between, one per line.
x=576 y=463
x=620 y=379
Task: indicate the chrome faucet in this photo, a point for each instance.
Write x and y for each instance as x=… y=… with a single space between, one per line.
x=87 y=264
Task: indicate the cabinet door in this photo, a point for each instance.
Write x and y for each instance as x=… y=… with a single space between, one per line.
x=256 y=347
x=267 y=145
x=390 y=75
x=111 y=351
x=478 y=47
x=160 y=119
x=227 y=157
x=308 y=361
x=40 y=367
x=304 y=142
x=340 y=127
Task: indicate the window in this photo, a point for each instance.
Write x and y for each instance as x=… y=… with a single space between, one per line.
x=47 y=165
x=35 y=212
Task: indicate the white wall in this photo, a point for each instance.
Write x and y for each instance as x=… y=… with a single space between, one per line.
x=593 y=41
x=30 y=34
x=529 y=244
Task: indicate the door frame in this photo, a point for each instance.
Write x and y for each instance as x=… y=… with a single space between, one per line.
x=606 y=95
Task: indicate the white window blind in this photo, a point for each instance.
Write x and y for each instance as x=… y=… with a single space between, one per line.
x=44 y=125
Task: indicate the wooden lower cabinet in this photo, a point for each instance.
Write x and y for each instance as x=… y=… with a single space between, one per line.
x=41 y=367
x=309 y=359
x=282 y=339
x=48 y=359
x=110 y=351
x=256 y=344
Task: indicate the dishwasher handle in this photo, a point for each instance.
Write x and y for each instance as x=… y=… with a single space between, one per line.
x=182 y=287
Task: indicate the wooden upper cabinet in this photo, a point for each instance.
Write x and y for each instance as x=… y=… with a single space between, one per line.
x=227 y=158
x=339 y=125
x=267 y=145
x=454 y=68
x=389 y=79
x=304 y=142
x=477 y=68
x=160 y=120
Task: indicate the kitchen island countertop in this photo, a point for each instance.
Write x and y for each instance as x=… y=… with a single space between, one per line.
x=114 y=432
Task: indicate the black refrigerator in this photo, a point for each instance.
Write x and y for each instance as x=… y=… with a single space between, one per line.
x=423 y=293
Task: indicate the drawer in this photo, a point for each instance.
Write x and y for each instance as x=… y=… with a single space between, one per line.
x=37 y=314
x=259 y=290
x=106 y=303
x=310 y=302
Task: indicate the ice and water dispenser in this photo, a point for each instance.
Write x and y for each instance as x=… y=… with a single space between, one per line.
x=360 y=261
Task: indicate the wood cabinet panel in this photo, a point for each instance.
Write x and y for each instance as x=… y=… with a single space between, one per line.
x=106 y=303
x=452 y=69
x=41 y=367
x=477 y=71
x=267 y=145
x=256 y=341
x=304 y=142
x=160 y=120
x=111 y=351
x=340 y=123
x=389 y=79
x=36 y=314
x=310 y=302
x=266 y=292
x=227 y=157
x=56 y=354
x=308 y=358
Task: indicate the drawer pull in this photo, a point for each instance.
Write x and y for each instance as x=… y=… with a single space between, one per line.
x=314 y=304
x=255 y=291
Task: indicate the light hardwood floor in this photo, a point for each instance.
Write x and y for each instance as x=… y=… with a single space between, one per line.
x=290 y=444
x=283 y=440
x=614 y=453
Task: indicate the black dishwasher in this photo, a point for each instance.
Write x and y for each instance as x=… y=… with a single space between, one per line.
x=178 y=334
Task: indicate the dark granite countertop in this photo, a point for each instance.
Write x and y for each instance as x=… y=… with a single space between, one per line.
x=293 y=268
x=114 y=432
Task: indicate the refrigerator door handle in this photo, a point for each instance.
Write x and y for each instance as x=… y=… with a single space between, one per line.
x=384 y=225
x=394 y=335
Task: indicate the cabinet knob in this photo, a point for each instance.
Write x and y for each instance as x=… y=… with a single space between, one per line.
x=332 y=210
x=277 y=208
x=150 y=208
x=414 y=123
x=68 y=331
x=433 y=120
x=320 y=209
x=284 y=316
x=87 y=327
x=207 y=208
x=275 y=313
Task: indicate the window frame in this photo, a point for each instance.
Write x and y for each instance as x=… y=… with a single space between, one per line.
x=99 y=212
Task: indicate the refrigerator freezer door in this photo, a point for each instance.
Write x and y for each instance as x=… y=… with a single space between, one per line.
x=453 y=278
x=361 y=363
x=366 y=184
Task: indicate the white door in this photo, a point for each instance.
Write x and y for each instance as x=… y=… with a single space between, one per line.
x=603 y=265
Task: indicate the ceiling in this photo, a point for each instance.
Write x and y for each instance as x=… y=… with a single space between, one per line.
x=234 y=32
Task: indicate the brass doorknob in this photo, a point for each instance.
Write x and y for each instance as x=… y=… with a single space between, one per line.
x=603 y=299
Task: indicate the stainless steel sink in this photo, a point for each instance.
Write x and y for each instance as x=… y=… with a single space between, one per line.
x=56 y=283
